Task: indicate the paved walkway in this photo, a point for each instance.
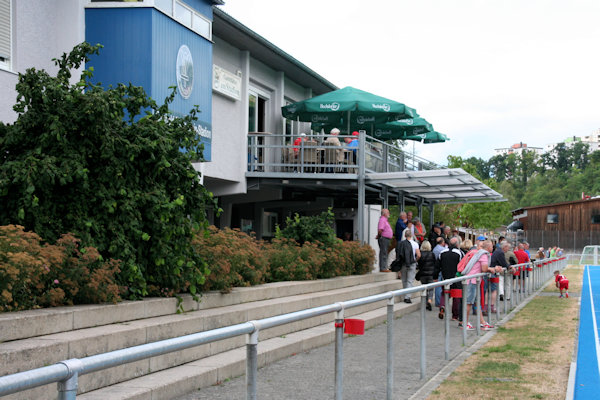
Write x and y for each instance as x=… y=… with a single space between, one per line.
x=310 y=375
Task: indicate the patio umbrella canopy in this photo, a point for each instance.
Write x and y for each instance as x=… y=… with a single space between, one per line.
x=430 y=137
x=361 y=107
x=405 y=129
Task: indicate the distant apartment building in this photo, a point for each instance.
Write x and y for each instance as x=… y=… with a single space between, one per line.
x=518 y=148
x=592 y=140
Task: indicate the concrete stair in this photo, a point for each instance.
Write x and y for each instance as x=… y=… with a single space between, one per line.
x=37 y=338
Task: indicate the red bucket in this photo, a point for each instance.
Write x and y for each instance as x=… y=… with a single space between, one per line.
x=354 y=326
x=456 y=293
x=495 y=280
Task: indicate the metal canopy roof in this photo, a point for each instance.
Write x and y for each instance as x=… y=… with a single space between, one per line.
x=438 y=186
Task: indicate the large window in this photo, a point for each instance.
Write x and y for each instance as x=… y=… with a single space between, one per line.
x=5 y=34
x=185 y=15
x=257 y=101
x=180 y=11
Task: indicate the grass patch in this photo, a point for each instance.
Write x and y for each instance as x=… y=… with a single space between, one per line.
x=528 y=358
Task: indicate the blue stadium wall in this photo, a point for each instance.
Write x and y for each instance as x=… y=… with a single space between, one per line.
x=141 y=46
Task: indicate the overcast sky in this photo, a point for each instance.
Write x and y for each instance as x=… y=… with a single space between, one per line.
x=486 y=73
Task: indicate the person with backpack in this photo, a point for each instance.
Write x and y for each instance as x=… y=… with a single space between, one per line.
x=498 y=259
x=476 y=262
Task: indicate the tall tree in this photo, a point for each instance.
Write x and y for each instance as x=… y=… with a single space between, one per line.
x=110 y=166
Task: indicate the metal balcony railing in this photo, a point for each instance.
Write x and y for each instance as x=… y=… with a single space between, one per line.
x=315 y=154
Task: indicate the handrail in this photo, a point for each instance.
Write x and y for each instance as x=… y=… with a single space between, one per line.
x=275 y=153
x=65 y=373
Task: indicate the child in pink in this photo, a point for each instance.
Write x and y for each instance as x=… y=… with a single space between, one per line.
x=562 y=283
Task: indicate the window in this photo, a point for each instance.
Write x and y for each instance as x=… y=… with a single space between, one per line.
x=595 y=218
x=188 y=17
x=269 y=224
x=257 y=102
x=5 y=34
x=552 y=219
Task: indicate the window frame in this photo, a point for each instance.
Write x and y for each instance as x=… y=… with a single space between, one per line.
x=7 y=63
x=550 y=220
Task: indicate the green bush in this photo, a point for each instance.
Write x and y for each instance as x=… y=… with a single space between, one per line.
x=33 y=275
x=314 y=229
x=107 y=165
x=288 y=261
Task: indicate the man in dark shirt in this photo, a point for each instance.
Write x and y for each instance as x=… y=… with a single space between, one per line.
x=448 y=262
x=498 y=258
x=401 y=225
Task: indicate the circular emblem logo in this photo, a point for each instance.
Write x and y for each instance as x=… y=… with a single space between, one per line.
x=185 y=71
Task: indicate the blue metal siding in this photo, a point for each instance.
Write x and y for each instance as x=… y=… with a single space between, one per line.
x=167 y=37
x=140 y=46
x=126 y=34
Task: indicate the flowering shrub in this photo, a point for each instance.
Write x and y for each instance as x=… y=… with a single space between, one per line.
x=362 y=257
x=34 y=275
x=288 y=261
x=233 y=258
x=237 y=259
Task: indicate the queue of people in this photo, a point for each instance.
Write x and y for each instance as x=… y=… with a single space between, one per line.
x=437 y=258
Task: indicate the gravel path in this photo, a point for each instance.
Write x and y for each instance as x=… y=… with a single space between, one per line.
x=310 y=375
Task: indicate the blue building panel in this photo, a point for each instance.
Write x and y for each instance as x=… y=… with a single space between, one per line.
x=126 y=34
x=141 y=46
x=167 y=39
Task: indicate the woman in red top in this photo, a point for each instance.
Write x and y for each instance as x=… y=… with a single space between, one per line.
x=419 y=230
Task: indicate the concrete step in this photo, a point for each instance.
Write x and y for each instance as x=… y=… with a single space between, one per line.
x=177 y=381
x=47 y=349
x=32 y=323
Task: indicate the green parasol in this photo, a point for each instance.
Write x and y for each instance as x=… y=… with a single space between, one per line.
x=430 y=137
x=403 y=129
x=346 y=104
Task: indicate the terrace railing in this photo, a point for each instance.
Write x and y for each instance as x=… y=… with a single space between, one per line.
x=277 y=153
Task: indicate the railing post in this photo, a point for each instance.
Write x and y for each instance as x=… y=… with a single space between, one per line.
x=506 y=290
x=488 y=292
x=339 y=354
x=497 y=301
x=478 y=302
x=423 y=331
x=446 y=322
x=390 y=348
x=464 y=311
x=67 y=389
x=251 y=362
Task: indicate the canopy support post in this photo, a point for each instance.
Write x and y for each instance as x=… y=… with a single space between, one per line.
x=431 y=215
x=361 y=187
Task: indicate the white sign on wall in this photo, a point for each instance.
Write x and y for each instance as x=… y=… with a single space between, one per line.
x=226 y=83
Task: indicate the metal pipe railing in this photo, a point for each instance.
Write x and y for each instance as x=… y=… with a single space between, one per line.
x=66 y=373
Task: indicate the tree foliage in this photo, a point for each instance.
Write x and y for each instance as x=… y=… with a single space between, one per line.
x=110 y=166
x=526 y=179
x=316 y=228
